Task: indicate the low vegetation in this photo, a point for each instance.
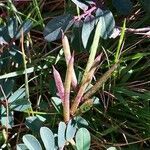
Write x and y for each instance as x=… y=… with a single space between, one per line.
x=74 y=74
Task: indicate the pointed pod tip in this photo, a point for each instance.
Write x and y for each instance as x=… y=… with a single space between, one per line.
x=63 y=35
x=98 y=58
x=54 y=69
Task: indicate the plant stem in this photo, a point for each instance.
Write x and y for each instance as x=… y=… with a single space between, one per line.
x=84 y=85
x=93 y=50
x=100 y=82
x=120 y=41
x=36 y=5
x=67 y=86
x=25 y=68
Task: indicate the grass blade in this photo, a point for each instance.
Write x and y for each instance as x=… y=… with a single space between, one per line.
x=93 y=49
x=120 y=42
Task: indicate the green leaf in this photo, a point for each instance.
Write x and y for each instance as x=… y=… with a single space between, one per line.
x=12 y=27
x=76 y=38
x=2 y=138
x=83 y=4
x=31 y=142
x=124 y=7
x=135 y=56
x=4 y=38
x=93 y=50
x=21 y=147
x=7 y=121
x=34 y=123
x=71 y=130
x=20 y=93
x=11 y=30
x=83 y=139
x=20 y=105
x=61 y=135
x=120 y=42
x=81 y=121
x=26 y=26
x=57 y=103
x=16 y=55
x=53 y=29
x=21 y=72
x=96 y=100
x=7 y=86
x=86 y=106
x=87 y=28
x=107 y=22
x=47 y=138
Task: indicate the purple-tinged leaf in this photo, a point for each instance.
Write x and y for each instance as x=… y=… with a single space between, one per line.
x=54 y=28
x=59 y=83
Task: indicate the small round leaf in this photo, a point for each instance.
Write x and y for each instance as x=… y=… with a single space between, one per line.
x=47 y=137
x=71 y=130
x=22 y=147
x=83 y=139
x=31 y=142
x=112 y=148
x=61 y=135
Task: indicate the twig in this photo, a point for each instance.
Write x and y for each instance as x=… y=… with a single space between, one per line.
x=100 y=82
x=140 y=31
x=131 y=143
x=86 y=13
